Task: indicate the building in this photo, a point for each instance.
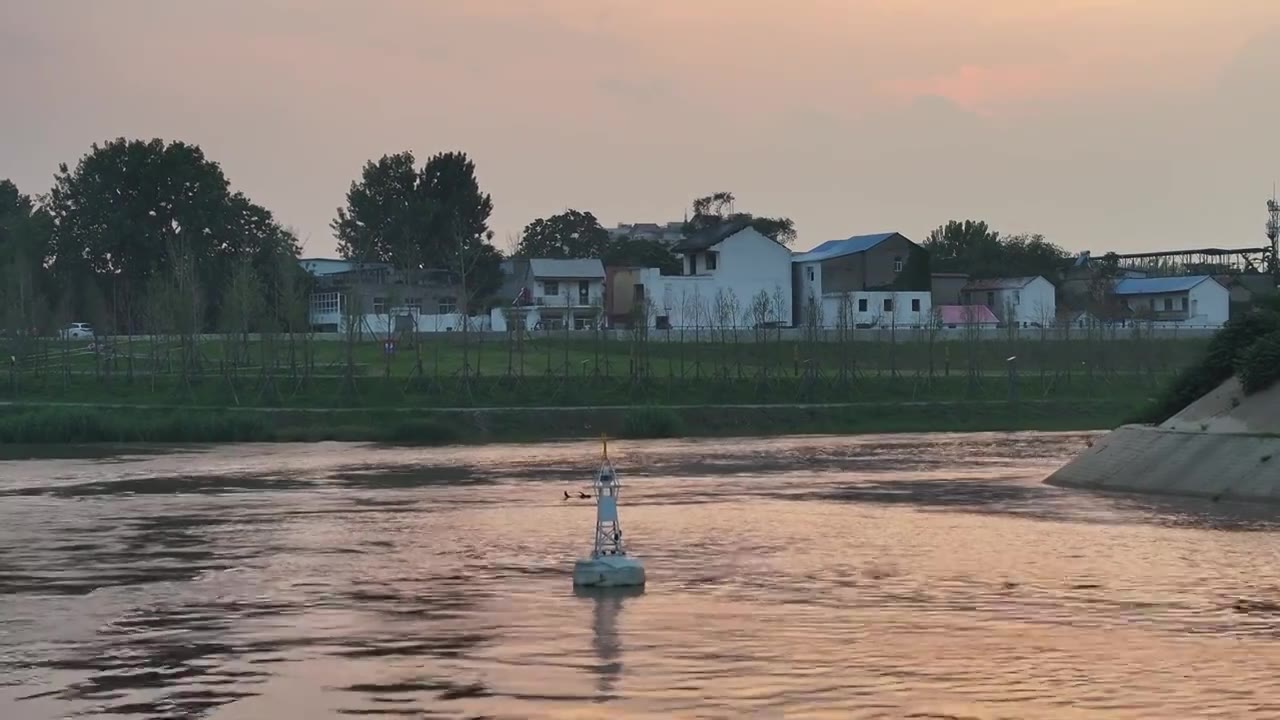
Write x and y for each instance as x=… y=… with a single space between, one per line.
x=373 y=298
x=668 y=233
x=945 y=287
x=733 y=277
x=1190 y=301
x=552 y=294
x=878 y=280
x=625 y=293
x=1021 y=301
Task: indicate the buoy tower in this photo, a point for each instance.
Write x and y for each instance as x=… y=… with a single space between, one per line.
x=609 y=564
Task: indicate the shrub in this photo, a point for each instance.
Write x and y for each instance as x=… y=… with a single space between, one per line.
x=1259 y=366
x=652 y=422
x=1217 y=366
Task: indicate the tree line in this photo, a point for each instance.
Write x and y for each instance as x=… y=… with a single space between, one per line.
x=136 y=223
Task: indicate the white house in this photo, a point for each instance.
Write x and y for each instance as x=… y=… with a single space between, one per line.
x=373 y=299
x=859 y=281
x=551 y=294
x=1190 y=301
x=1022 y=301
x=734 y=277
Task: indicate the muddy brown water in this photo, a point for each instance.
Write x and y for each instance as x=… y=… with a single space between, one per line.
x=907 y=576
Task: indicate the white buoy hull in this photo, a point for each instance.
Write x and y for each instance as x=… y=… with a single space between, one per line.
x=620 y=571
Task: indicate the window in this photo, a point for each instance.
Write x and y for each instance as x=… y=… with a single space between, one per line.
x=327 y=303
x=1184 y=304
x=862 y=304
x=448 y=305
x=584 y=292
x=1152 y=301
x=711 y=261
x=638 y=294
x=379 y=306
x=810 y=274
x=663 y=322
x=991 y=299
x=583 y=322
x=897 y=264
x=413 y=304
x=888 y=304
x=1168 y=304
x=915 y=304
x=1017 y=297
x=550 y=287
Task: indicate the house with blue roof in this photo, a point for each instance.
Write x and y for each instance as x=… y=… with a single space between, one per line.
x=876 y=280
x=1192 y=301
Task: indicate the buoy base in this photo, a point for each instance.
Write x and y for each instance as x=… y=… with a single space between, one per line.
x=608 y=571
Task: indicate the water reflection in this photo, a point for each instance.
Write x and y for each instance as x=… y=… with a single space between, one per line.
x=606 y=606
x=841 y=578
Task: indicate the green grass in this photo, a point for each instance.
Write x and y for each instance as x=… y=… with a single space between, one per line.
x=443 y=355
x=502 y=391
x=34 y=425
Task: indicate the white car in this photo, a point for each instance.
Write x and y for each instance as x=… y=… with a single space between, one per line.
x=77 y=331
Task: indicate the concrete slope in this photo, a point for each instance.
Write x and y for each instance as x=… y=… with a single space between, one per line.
x=1223 y=446
x=1140 y=458
x=1228 y=410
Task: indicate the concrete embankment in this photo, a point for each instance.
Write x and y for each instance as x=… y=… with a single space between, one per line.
x=1225 y=446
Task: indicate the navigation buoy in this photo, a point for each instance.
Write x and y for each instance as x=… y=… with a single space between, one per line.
x=609 y=564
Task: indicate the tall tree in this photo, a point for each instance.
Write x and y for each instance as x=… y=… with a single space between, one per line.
x=24 y=248
x=433 y=218
x=974 y=248
x=570 y=234
x=118 y=214
x=387 y=217
x=711 y=210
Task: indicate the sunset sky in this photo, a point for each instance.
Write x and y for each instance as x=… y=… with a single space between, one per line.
x=1104 y=124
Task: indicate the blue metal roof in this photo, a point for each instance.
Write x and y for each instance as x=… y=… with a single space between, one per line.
x=1157 y=285
x=839 y=248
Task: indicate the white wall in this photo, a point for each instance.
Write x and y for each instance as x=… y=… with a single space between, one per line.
x=1034 y=304
x=1210 y=304
x=381 y=325
x=902 y=315
x=595 y=291
x=747 y=265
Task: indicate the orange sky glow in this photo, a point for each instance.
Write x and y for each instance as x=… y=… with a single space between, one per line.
x=1104 y=124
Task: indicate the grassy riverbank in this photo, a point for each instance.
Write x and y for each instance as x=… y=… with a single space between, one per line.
x=25 y=424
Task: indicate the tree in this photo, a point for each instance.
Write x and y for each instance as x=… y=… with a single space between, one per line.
x=387 y=217
x=118 y=213
x=632 y=252
x=712 y=210
x=24 y=248
x=433 y=218
x=974 y=248
x=570 y=234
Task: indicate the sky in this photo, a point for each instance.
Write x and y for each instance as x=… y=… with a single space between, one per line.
x=1122 y=125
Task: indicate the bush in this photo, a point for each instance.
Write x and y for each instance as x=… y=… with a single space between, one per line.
x=89 y=425
x=652 y=422
x=1259 y=366
x=1220 y=362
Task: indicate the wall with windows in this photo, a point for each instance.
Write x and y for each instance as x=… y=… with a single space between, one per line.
x=872 y=309
x=554 y=292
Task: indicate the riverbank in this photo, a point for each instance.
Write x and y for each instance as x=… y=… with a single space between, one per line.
x=87 y=423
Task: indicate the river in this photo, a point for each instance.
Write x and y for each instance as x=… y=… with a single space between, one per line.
x=905 y=576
